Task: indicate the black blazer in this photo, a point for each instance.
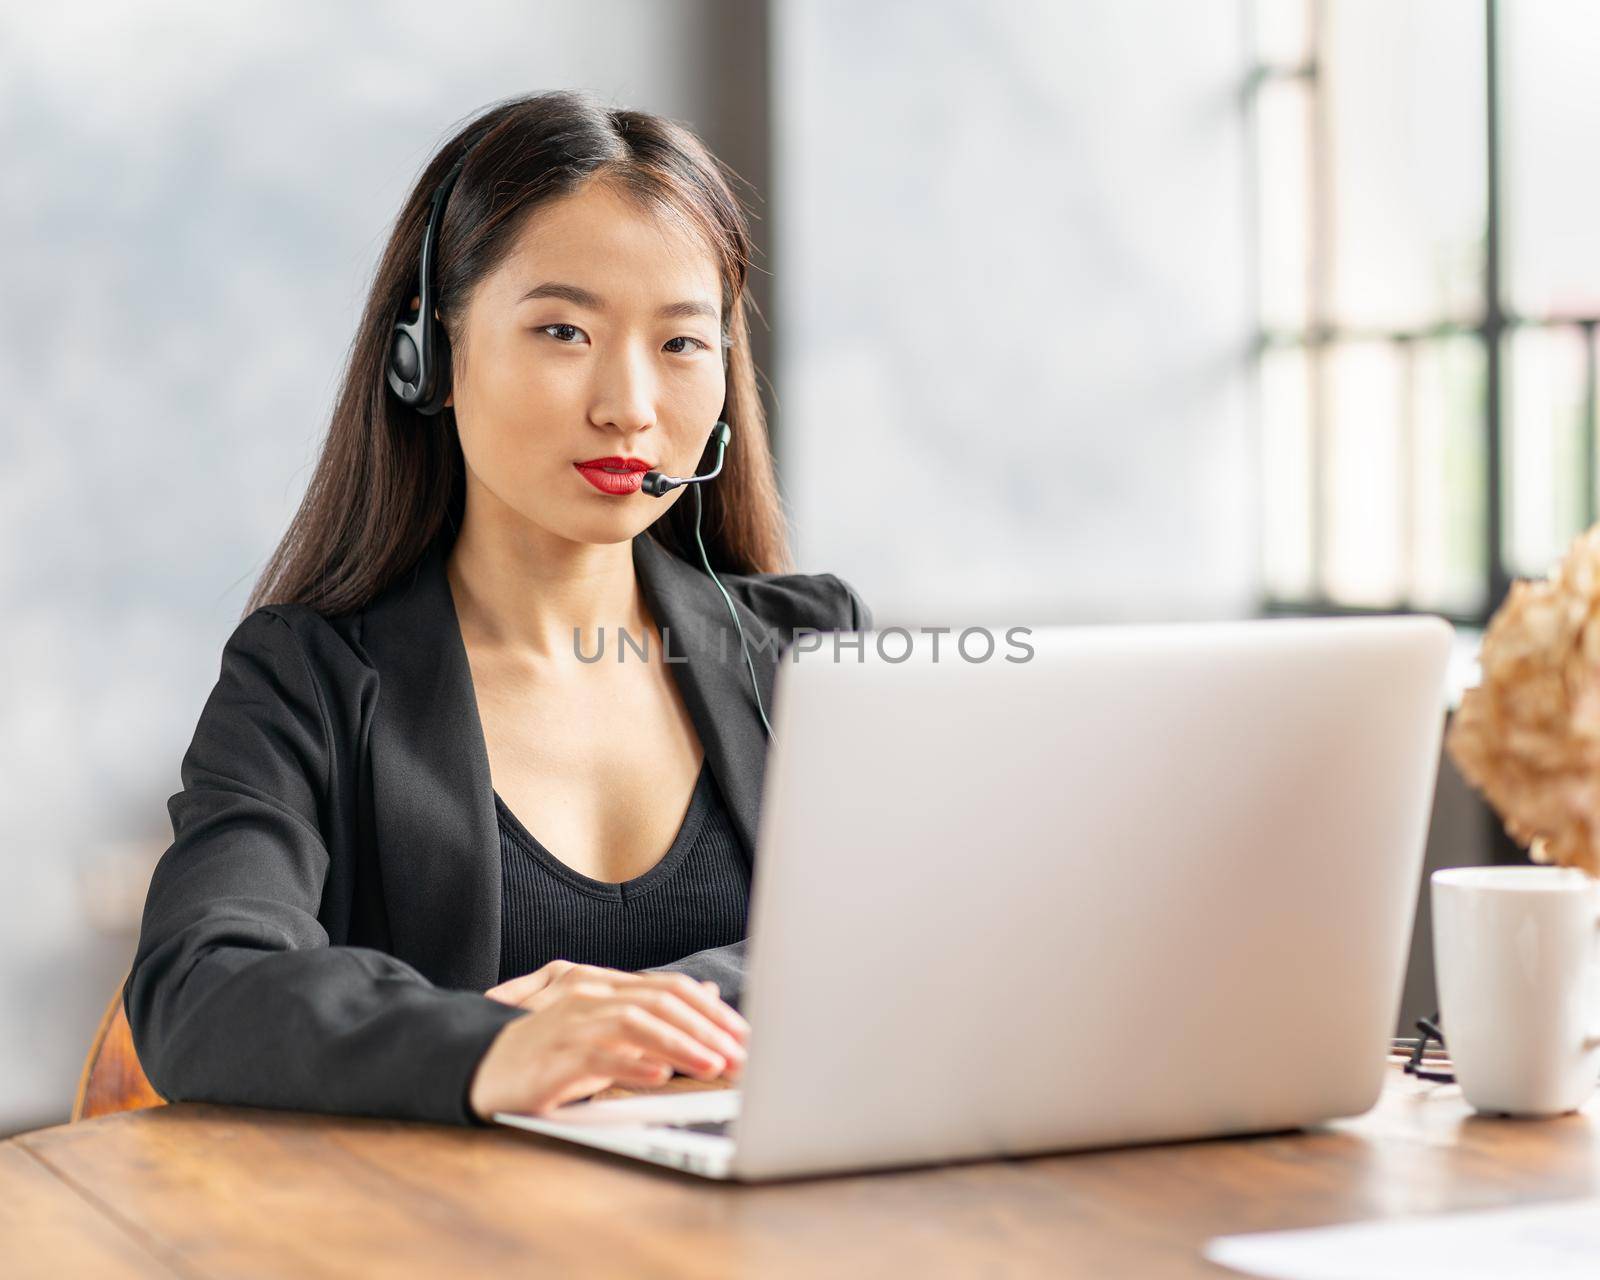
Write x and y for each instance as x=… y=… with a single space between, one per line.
x=319 y=934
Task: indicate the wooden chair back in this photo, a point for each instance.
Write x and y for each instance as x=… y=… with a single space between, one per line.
x=112 y=1079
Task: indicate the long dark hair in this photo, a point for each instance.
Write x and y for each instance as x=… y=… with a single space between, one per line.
x=389 y=479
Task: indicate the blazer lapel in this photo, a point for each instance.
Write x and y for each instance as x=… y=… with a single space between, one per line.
x=695 y=625
x=433 y=800
x=438 y=842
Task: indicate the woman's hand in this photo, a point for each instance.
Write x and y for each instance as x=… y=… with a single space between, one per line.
x=542 y=987
x=590 y=1027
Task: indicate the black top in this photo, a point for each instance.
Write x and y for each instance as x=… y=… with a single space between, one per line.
x=695 y=897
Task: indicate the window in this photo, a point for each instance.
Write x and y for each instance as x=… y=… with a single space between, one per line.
x=1428 y=283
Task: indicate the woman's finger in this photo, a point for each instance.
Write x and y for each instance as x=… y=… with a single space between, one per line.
x=667 y=1006
x=700 y=995
x=638 y=1028
x=628 y=1067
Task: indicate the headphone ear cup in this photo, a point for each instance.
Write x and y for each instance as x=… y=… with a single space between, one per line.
x=420 y=384
x=404 y=365
x=404 y=361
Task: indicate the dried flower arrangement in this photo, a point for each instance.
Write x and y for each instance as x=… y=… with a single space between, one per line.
x=1528 y=736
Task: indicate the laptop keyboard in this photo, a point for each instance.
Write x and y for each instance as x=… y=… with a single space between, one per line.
x=720 y=1127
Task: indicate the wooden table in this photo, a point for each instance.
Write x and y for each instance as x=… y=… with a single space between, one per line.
x=193 y=1190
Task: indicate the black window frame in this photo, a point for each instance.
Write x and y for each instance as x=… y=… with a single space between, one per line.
x=1491 y=331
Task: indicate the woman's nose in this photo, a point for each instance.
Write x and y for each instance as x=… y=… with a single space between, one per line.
x=625 y=393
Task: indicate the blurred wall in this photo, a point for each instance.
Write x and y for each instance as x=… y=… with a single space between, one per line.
x=193 y=200
x=1015 y=306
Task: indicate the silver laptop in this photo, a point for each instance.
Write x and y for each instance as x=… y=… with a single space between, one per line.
x=1151 y=882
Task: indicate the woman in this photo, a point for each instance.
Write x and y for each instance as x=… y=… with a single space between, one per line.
x=466 y=823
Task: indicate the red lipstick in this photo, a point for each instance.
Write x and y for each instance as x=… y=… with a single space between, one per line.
x=614 y=475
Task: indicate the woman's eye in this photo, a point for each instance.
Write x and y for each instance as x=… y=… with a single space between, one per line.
x=562 y=334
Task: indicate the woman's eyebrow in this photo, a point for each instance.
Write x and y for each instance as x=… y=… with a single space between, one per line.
x=579 y=296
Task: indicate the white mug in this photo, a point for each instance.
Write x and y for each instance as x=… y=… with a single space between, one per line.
x=1516 y=960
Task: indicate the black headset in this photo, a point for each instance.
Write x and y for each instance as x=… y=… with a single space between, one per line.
x=418 y=348
x=419 y=375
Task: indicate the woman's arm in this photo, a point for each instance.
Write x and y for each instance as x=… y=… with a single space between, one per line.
x=235 y=994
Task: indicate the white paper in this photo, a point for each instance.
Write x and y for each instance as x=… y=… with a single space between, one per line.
x=1553 y=1241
